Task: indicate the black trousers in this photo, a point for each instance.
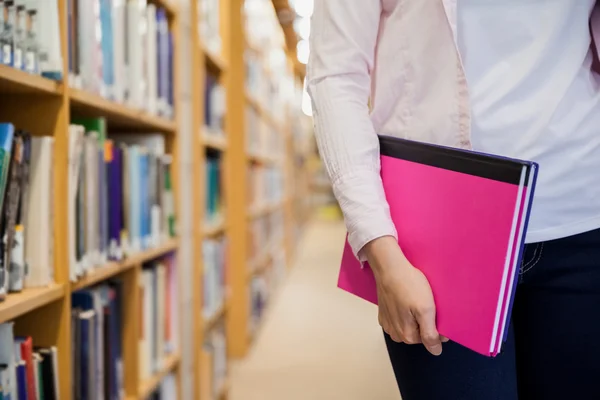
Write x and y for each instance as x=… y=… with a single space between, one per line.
x=553 y=349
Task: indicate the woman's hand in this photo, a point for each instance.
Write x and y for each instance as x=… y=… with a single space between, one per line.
x=406 y=305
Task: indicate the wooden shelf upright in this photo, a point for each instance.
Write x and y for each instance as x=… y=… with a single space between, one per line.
x=44 y=108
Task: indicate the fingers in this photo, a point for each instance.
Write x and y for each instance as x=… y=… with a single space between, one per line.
x=429 y=334
x=404 y=331
x=444 y=339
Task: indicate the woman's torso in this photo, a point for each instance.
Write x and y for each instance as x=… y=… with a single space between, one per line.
x=510 y=77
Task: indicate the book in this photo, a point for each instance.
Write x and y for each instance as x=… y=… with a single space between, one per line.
x=158 y=337
x=214 y=208
x=214 y=282
x=119 y=195
x=97 y=343
x=461 y=218
x=39 y=225
x=119 y=50
x=48 y=43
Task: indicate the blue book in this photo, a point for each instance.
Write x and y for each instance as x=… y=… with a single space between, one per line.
x=144 y=201
x=116 y=308
x=22 y=381
x=170 y=91
x=82 y=300
x=106 y=23
x=161 y=29
x=86 y=363
x=134 y=206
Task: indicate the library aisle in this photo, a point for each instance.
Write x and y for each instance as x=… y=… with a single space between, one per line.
x=317 y=342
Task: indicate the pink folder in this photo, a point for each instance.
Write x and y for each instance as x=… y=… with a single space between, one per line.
x=461 y=219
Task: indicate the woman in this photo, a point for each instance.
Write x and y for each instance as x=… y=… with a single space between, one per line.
x=510 y=77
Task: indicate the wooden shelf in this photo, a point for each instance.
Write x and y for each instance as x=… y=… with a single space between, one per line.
x=214 y=61
x=112 y=269
x=147 y=387
x=14 y=81
x=214 y=141
x=263 y=158
x=117 y=115
x=213 y=229
x=264 y=209
x=17 y=304
x=213 y=320
x=263 y=112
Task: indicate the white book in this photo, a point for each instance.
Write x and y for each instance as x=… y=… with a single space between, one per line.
x=91 y=202
x=39 y=230
x=48 y=40
x=151 y=61
x=135 y=45
x=7 y=355
x=76 y=146
x=85 y=43
x=119 y=67
x=146 y=340
x=161 y=294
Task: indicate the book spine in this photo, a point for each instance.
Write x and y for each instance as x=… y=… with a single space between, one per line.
x=49 y=48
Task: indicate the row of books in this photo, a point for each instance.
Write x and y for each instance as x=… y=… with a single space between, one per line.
x=27 y=371
x=259 y=297
x=123 y=51
x=30 y=37
x=97 y=354
x=26 y=210
x=263 y=231
x=265 y=85
x=264 y=284
x=265 y=184
x=261 y=137
x=214 y=353
x=214 y=105
x=214 y=195
x=120 y=195
x=159 y=330
x=167 y=390
x=209 y=18
x=214 y=275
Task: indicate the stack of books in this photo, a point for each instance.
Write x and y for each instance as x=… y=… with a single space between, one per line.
x=159 y=333
x=97 y=356
x=120 y=195
x=30 y=37
x=123 y=51
x=26 y=210
x=215 y=354
x=214 y=275
x=27 y=372
x=265 y=185
x=214 y=106
x=214 y=200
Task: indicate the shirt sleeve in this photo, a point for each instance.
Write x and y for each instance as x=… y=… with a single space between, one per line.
x=342 y=50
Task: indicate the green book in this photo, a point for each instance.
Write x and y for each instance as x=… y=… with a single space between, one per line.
x=93 y=125
x=40 y=369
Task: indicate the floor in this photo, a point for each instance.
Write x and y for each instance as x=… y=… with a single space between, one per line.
x=317 y=342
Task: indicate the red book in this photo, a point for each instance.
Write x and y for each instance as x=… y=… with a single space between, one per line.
x=27 y=355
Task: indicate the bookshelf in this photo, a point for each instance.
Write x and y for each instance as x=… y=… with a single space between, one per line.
x=44 y=313
x=240 y=121
x=249 y=129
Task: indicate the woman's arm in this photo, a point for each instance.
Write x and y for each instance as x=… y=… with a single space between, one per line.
x=343 y=40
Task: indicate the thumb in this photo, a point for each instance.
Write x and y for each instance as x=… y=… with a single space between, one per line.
x=429 y=334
